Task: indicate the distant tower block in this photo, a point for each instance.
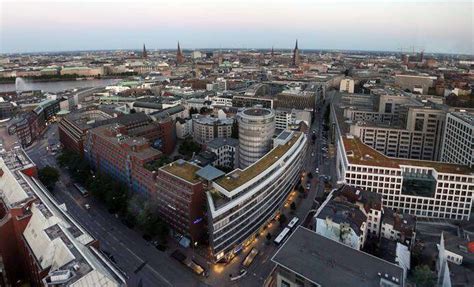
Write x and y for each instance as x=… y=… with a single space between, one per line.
x=179 y=56
x=144 y=53
x=296 y=55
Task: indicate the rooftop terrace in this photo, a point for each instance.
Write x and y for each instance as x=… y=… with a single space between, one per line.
x=238 y=177
x=359 y=153
x=183 y=170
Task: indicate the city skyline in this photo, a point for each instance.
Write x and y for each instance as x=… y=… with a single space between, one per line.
x=432 y=26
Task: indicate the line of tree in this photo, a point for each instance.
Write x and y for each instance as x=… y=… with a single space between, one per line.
x=48 y=175
x=134 y=210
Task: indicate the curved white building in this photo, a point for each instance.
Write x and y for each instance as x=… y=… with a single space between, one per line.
x=242 y=202
x=256 y=129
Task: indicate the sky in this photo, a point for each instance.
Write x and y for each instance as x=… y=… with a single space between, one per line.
x=388 y=25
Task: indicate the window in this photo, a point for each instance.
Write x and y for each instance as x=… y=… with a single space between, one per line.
x=284 y=283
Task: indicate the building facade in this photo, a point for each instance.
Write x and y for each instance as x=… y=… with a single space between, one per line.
x=180 y=198
x=206 y=128
x=226 y=150
x=458 y=139
x=420 y=188
x=41 y=243
x=347 y=85
x=111 y=151
x=243 y=201
x=256 y=129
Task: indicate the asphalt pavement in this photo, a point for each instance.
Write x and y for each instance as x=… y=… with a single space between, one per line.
x=137 y=258
x=140 y=260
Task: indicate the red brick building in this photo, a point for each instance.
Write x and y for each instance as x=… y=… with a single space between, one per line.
x=110 y=149
x=181 y=199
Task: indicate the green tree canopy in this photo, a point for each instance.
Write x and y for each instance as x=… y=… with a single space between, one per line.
x=48 y=176
x=423 y=277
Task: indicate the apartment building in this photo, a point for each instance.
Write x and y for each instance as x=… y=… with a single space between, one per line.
x=398 y=227
x=458 y=141
x=226 y=151
x=243 y=201
x=343 y=222
x=184 y=128
x=206 y=128
x=347 y=85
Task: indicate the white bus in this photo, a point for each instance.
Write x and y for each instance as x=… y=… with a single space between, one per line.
x=281 y=237
x=293 y=223
x=82 y=190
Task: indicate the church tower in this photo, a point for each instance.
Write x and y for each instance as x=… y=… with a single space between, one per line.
x=179 y=56
x=144 y=53
x=296 y=55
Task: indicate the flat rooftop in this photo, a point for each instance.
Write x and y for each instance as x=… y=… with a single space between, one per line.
x=330 y=263
x=359 y=153
x=183 y=170
x=238 y=177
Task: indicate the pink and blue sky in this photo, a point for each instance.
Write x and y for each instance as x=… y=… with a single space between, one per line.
x=435 y=26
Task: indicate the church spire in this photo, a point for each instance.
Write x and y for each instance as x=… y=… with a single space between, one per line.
x=179 y=56
x=144 y=53
x=296 y=55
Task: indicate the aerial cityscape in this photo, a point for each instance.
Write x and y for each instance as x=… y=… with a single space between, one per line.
x=237 y=143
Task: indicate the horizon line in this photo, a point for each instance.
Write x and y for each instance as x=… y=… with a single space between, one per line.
x=233 y=48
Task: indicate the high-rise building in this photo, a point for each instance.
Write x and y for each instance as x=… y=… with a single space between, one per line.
x=296 y=56
x=458 y=141
x=256 y=129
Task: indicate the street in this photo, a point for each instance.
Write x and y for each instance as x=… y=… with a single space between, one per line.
x=259 y=271
x=146 y=265
x=127 y=247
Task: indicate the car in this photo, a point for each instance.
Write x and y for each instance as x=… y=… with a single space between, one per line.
x=308 y=186
x=87 y=206
x=316 y=170
x=312 y=154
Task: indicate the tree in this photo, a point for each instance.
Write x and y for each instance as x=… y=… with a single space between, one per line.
x=188 y=147
x=48 y=176
x=423 y=277
x=235 y=130
x=203 y=110
x=269 y=236
x=282 y=219
x=193 y=111
x=293 y=206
